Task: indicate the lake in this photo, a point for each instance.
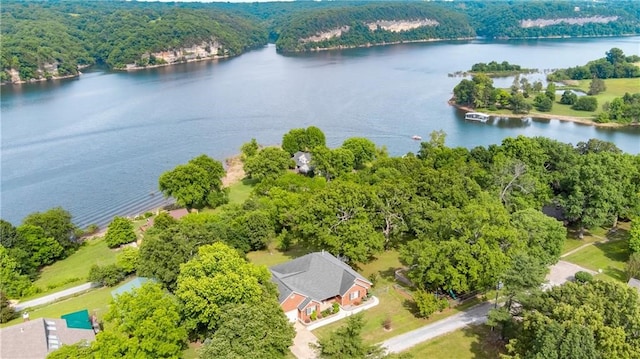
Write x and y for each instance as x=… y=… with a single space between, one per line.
x=97 y=145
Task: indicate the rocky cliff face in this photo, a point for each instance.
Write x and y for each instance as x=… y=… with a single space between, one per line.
x=48 y=71
x=205 y=50
x=569 y=21
x=388 y=25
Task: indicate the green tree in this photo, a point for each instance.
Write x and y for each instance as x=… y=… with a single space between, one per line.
x=599 y=319
x=300 y=139
x=196 y=184
x=519 y=104
x=249 y=149
x=12 y=283
x=216 y=277
x=8 y=234
x=363 y=149
x=585 y=103
x=56 y=223
x=543 y=236
x=144 y=323
x=7 y=312
x=568 y=98
x=79 y=350
x=462 y=249
x=346 y=342
x=162 y=254
x=596 y=86
x=127 y=259
x=340 y=219
x=40 y=249
x=464 y=92
x=270 y=162
x=542 y=103
x=332 y=163
x=246 y=330
x=108 y=275
x=550 y=92
x=428 y=303
x=120 y=231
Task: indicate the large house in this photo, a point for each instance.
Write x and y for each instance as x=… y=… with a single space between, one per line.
x=314 y=282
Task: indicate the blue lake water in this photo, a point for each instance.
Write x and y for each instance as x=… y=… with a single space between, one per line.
x=97 y=145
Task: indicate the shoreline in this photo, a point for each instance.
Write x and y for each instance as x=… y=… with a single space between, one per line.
x=234 y=173
x=138 y=68
x=579 y=120
x=369 y=44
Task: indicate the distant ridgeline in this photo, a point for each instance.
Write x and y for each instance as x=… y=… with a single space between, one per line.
x=354 y=26
x=42 y=40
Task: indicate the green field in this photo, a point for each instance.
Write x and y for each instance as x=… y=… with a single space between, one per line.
x=476 y=342
x=74 y=270
x=97 y=300
x=272 y=256
x=610 y=257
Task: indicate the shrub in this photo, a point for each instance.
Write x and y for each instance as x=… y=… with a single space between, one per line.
x=568 y=98
x=327 y=312
x=583 y=277
x=427 y=303
x=127 y=260
x=443 y=304
x=108 y=275
x=387 y=323
x=120 y=231
x=314 y=315
x=373 y=278
x=6 y=310
x=586 y=103
x=357 y=302
x=336 y=307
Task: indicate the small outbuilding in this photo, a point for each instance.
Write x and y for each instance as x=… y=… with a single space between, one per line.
x=303 y=161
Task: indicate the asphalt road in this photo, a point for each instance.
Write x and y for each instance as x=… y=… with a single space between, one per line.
x=53 y=297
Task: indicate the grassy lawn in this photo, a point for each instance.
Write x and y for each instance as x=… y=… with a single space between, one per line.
x=272 y=256
x=97 y=300
x=240 y=192
x=476 y=342
x=395 y=303
x=610 y=257
x=74 y=270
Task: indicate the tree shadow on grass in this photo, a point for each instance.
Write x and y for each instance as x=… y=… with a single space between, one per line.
x=411 y=306
x=485 y=344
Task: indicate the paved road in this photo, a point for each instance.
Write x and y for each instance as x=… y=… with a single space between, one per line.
x=475 y=315
x=53 y=297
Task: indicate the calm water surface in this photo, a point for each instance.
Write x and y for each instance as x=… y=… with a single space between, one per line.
x=97 y=145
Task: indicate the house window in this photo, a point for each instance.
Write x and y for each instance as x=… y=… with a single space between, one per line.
x=354 y=295
x=310 y=310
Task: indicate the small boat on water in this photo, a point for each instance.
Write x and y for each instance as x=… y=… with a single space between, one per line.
x=416 y=137
x=476 y=116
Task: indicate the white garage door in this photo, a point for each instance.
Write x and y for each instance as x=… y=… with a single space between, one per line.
x=292 y=315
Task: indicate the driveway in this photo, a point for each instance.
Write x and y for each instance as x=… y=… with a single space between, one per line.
x=53 y=297
x=304 y=337
x=564 y=271
x=475 y=315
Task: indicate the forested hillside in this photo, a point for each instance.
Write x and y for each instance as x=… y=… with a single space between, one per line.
x=51 y=39
x=352 y=26
x=554 y=19
x=46 y=40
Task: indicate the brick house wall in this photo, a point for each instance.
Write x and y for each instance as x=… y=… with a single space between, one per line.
x=303 y=313
x=355 y=294
x=292 y=302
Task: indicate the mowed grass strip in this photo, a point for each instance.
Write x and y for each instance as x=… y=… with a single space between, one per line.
x=475 y=342
x=610 y=257
x=97 y=300
x=74 y=270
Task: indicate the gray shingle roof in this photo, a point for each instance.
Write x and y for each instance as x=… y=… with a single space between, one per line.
x=318 y=276
x=37 y=337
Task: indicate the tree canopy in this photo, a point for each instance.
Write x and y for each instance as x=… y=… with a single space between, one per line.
x=196 y=184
